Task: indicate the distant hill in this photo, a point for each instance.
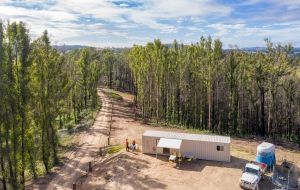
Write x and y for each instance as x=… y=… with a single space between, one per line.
x=254 y=49
x=296 y=50
x=65 y=48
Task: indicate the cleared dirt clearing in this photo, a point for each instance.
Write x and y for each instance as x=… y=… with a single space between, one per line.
x=138 y=171
x=127 y=170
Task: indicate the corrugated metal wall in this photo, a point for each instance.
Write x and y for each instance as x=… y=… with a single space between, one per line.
x=206 y=150
x=149 y=145
x=199 y=149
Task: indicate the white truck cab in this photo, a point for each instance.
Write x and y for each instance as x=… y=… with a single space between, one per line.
x=252 y=175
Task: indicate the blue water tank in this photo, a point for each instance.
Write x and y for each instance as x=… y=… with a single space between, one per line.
x=266 y=154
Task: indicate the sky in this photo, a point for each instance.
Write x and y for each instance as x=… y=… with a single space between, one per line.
x=122 y=23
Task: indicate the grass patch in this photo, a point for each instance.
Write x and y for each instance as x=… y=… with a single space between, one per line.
x=114 y=149
x=65 y=144
x=67 y=133
x=114 y=96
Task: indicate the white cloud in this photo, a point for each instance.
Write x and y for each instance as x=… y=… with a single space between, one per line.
x=245 y=36
x=129 y=21
x=188 y=8
x=123 y=5
x=224 y=29
x=10 y=12
x=154 y=10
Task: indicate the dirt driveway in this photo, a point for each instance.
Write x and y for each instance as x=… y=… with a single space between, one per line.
x=87 y=148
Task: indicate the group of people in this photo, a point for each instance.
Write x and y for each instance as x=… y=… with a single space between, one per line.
x=132 y=146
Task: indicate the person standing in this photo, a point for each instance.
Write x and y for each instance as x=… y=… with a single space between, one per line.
x=127 y=145
x=133 y=145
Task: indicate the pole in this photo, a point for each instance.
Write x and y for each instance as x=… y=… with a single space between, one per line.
x=111 y=115
x=100 y=151
x=90 y=167
x=74 y=186
x=288 y=179
x=108 y=139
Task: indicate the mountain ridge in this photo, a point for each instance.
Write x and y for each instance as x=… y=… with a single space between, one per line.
x=64 y=48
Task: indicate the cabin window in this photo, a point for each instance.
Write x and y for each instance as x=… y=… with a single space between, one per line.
x=220 y=148
x=154 y=148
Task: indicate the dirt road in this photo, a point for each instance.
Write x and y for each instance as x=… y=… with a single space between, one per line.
x=88 y=147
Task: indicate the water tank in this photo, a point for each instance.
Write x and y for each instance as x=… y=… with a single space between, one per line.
x=266 y=154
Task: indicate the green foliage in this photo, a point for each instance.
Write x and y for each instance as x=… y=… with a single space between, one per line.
x=42 y=91
x=232 y=92
x=116 y=69
x=114 y=149
x=114 y=96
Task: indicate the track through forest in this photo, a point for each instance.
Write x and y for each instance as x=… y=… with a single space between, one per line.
x=88 y=147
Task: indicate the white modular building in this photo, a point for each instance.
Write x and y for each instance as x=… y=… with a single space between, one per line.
x=206 y=147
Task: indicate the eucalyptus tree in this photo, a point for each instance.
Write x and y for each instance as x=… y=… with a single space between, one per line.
x=49 y=84
x=13 y=103
x=22 y=64
x=2 y=98
x=232 y=71
x=278 y=58
x=109 y=59
x=193 y=85
x=38 y=89
x=84 y=67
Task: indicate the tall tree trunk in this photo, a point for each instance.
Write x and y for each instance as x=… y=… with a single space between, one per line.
x=299 y=134
x=290 y=113
x=85 y=97
x=12 y=180
x=209 y=107
x=32 y=164
x=14 y=140
x=262 y=111
x=271 y=113
x=53 y=142
x=2 y=167
x=213 y=111
x=23 y=153
x=44 y=149
x=157 y=102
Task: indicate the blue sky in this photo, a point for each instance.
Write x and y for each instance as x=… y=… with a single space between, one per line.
x=122 y=23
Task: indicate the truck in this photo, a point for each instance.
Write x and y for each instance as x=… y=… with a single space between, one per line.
x=252 y=174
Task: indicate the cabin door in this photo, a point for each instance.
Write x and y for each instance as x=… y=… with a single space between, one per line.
x=166 y=151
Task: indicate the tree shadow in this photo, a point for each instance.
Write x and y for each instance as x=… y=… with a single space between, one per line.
x=124 y=170
x=198 y=165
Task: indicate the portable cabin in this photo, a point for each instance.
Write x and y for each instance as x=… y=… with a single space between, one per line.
x=206 y=147
x=266 y=154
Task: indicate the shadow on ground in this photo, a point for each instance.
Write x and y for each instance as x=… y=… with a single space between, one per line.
x=124 y=171
x=199 y=165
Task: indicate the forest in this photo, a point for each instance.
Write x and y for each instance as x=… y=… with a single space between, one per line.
x=200 y=86
x=41 y=91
